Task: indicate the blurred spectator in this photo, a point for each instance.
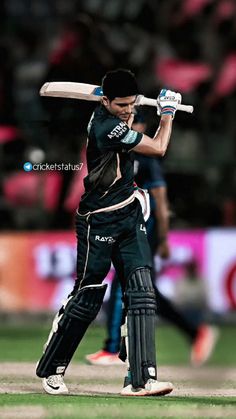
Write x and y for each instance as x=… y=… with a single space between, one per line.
x=190 y=294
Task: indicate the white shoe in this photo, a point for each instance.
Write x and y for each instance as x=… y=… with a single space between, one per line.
x=151 y=388
x=54 y=384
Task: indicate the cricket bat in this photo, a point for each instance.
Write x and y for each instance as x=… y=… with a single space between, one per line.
x=83 y=91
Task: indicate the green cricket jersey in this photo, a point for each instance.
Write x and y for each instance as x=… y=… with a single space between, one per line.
x=110 y=165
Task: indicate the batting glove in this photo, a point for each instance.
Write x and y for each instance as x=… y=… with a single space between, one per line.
x=167 y=102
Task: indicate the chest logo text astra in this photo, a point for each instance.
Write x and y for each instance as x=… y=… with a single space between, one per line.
x=118 y=130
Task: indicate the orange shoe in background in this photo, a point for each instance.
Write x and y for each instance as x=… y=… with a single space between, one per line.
x=203 y=345
x=104 y=358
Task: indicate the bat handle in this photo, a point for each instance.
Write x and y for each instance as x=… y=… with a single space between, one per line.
x=185 y=108
x=142 y=100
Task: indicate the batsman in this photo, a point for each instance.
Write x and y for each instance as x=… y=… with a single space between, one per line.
x=110 y=228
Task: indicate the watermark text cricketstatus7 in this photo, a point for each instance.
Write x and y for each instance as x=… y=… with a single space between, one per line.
x=28 y=166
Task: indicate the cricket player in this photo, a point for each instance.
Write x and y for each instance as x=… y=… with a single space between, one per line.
x=110 y=228
x=149 y=175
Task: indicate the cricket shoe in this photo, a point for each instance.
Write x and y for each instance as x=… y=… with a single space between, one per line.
x=104 y=358
x=54 y=384
x=151 y=388
x=203 y=345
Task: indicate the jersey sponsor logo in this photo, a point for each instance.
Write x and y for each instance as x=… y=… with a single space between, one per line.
x=108 y=239
x=118 y=130
x=143 y=228
x=130 y=137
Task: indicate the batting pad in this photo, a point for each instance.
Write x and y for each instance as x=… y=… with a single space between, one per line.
x=69 y=327
x=141 y=314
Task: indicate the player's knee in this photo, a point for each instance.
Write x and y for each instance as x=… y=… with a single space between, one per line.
x=139 y=290
x=85 y=303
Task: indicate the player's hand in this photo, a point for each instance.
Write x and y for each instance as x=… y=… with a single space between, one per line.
x=167 y=102
x=163 y=250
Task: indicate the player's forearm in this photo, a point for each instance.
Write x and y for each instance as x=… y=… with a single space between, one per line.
x=163 y=133
x=157 y=145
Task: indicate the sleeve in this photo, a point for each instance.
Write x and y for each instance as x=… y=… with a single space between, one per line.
x=115 y=135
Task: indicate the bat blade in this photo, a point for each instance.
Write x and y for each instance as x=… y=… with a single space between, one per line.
x=71 y=90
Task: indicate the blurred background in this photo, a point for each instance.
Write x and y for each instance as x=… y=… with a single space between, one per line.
x=185 y=45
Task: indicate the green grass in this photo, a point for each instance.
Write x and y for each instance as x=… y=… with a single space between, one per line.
x=24 y=344
x=116 y=407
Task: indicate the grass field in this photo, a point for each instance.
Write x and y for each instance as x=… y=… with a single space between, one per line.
x=207 y=392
